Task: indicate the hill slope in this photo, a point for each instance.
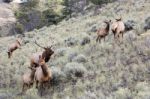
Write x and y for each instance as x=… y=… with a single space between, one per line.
x=111 y=70
x=7 y=18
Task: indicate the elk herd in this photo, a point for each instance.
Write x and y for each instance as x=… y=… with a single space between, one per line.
x=117 y=28
x=40 y=71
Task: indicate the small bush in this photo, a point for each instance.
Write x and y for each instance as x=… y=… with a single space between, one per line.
x=147 y=24
x=85 y=40
x=31 y=4
x=99 y=2
x=129 y=25
x=80 y=59
x=73 y=70
x=93 y=29
x=123 y=93
x=72 y=55
x=71 y=41
x=19 y=28
x=61 y=51
x=57 y=75
x=51 y=16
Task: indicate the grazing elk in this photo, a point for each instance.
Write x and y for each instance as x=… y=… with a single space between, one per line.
x=46 y=54
x=43 y=73
x=103 y=32
x=12 y=47
x=28 y=79
x=118 y=28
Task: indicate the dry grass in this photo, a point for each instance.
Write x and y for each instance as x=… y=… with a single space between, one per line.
x=112 y=71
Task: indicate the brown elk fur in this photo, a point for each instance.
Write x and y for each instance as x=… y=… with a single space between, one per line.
x=43 y=73
x=12 y=47
x=28 y=79
x=118 y=28
x=114 y=28
x=103 y=32
x=46 y=54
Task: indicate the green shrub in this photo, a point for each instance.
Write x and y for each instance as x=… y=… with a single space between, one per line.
x=80 y=58
x=31 y=4
x=51 y=16
x=19 y=28
x=73 y=70
x=99 y=2
x=57 y=75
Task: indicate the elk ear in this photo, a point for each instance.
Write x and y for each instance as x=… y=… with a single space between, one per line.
x=105 y=21
x=45 y=48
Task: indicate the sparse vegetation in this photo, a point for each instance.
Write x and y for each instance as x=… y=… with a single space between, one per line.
x=80 y=67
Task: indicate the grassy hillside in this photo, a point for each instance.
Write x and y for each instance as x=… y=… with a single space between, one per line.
x=111 y=71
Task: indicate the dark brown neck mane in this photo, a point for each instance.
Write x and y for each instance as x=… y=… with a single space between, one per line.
x=118 y=19
x=44 y=69
x=107 y=27
x=45 y=56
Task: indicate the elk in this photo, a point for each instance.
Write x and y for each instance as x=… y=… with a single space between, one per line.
x=46 y=54
x=14 y=46
x=28 y=79
x=43 y=73
x=103 y=32
x=118 y=28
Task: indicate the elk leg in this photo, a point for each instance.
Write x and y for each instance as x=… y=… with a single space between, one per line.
x=9 y=54
x=104 y=38
x=24 y=88
x=100 y=39
x=97 y=38
x=114 y=34
x=41 y=88
x=37 y=84
x=122 y=36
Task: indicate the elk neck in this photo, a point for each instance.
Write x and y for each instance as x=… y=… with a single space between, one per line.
x=107 y=27
x=44 y=55
x=44 y=69
x=19 y=43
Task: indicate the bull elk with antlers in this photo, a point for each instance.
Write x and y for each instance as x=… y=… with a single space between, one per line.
x=12 y=47
x=46 y=55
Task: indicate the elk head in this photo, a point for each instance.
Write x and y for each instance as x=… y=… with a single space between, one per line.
x=47 y=53
x=107 y=22
x=119 y=19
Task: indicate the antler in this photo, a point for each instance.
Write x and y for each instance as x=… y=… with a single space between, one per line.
x=52 y=43
x=38 y=44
